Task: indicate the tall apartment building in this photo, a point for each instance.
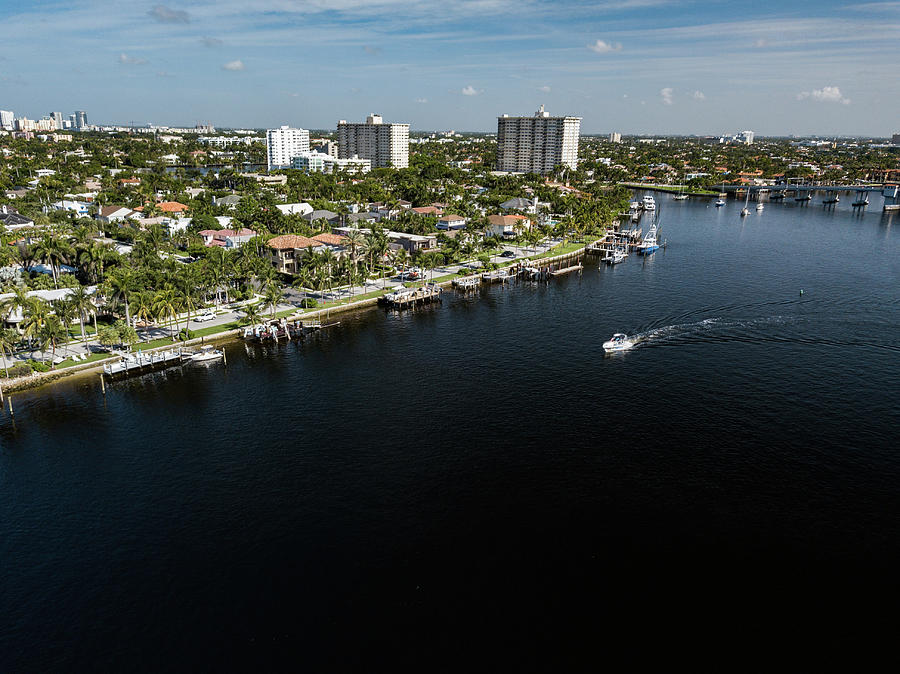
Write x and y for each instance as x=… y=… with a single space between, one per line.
x=285 y=143
x=380 y=143
x=895 y=139
x=615 y=137
x=537 y=144
x=81 y=120
x=6 y=119
x=57 y=118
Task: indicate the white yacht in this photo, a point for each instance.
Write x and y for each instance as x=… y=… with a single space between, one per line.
x=720 y=202
x=649 y=203
x=618 y=342
x=759 y=207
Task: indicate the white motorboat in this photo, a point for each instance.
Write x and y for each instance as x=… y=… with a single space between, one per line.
x=720 y=202
x=649 y=203
x=618 y=342
x=206 y=353
x=759 y=207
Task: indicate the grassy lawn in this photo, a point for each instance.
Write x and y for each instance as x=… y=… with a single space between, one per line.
x=564 y=248
x=90 y=359
x=670 y=188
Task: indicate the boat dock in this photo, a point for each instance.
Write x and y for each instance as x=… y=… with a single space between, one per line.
x=497 y=276
x=403 y=298
x=567 y=270
x=467 y=282
x=140 y=362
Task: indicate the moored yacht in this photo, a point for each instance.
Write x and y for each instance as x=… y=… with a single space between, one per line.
x=649 y=203
x=206 y=353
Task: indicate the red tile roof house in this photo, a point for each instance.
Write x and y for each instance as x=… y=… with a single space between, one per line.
x=129 y=182
x=288 y=250
x=427 y=210
x=172 y=207
x=226 y=238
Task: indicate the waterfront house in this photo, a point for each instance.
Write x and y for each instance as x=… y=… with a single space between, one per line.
x=229 y=200
x=288 y=250
x=427 y=210
x=79 y=208
x=519 y=204
x=412 y=242
x=506 y=226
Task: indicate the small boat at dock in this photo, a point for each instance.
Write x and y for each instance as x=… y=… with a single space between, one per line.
x=206 y=354
x=832 y=200
x=649 y=203
x=720 y=202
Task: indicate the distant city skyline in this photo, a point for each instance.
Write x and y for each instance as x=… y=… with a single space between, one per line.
x=631 y=66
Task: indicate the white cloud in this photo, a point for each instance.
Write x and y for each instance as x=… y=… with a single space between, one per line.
x=545 y=89
x=127 y=60
x=761 y=42
x=603 y=47
x=824 y=95
x=699 y=96
x=165 y=14
x=233 y=66
x=469 y=91
x=666 y=94
x=421 y=100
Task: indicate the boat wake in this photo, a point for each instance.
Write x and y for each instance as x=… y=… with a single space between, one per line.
x=763 y=330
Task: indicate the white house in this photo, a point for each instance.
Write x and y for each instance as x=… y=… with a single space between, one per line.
x=295 y=209
x=451 y=222
x=80 y=208
x=109 y=214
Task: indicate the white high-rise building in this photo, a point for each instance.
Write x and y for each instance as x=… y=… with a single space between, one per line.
x=81 y=121
x=6 y=119
x=285 y=143
x=537 y=144
x=615 y=137
x=57 y=118
x=380 y=143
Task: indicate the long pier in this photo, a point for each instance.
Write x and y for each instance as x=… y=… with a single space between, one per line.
x=403 y=298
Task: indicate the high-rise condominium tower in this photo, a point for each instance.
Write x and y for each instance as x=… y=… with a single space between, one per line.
x=380 y=143
x=537 y=144
x=285 y=143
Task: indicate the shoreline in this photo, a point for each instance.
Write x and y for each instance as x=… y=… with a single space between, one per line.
x=40 y=379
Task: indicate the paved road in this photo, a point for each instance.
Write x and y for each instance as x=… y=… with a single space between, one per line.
x=293 y=299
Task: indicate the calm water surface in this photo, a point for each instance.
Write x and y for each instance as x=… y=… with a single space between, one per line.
x=475 y=482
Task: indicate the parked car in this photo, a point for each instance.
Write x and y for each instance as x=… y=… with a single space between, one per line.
x=205 y=316
x=507 y=253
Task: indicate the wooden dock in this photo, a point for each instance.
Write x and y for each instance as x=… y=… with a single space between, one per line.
x=467 y=282
x=498 y=276
x=140 y=362
x=403 y=298
x=567 y=270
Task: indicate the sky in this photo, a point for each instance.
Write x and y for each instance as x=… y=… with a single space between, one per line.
x=633 y=66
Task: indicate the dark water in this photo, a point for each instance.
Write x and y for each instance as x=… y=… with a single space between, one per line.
x=474 y=484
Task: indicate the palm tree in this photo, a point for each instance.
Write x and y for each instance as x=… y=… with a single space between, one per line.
x=251 y=314
x=143 y=305
x=51 y=333
x=66 y=312
x=36 y=313
x=302 y=282
x=83 y=305
x=9 y=339
x=121 y=284
x=165 y=305
x=356 y=241
x=53 y=251
x=272 y=297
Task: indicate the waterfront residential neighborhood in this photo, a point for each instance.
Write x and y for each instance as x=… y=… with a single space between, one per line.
x=118 y=238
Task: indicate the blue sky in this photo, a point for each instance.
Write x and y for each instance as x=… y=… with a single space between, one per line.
x=636 y=66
